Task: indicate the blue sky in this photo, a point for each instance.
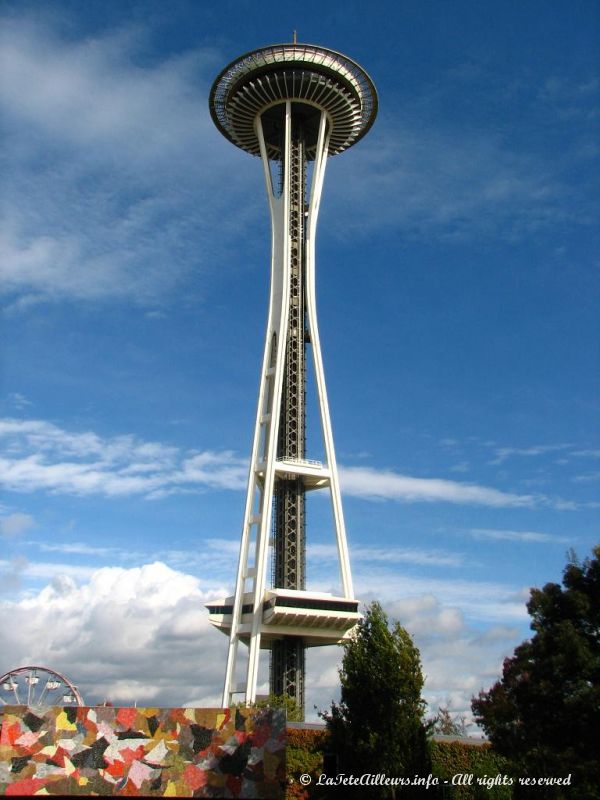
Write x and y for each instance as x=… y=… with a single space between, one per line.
x=457 y=268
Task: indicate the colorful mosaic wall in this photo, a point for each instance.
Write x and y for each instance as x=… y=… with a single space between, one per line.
x=160 y=752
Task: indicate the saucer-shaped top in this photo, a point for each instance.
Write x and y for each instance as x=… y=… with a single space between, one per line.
x=314 y=79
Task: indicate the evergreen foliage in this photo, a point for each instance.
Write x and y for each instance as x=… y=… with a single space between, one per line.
x=544 y=713
x=378 y=725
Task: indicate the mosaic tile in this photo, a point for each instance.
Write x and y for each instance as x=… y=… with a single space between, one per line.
x=142 y=752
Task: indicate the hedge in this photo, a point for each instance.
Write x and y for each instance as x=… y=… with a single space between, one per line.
x=304 y=755
x=305 y=750
x=449 y=759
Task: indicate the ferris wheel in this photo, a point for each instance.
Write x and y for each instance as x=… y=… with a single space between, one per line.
x=37 y=686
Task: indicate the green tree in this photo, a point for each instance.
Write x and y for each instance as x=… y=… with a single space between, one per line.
x=544 y=713
x=285 y=702
x=279 y=701
x=377 y=727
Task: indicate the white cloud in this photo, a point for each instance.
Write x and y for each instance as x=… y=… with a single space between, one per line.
x=14 y=524
x=457 y=660
x=77 y=548
x=503 y=453
x=43 y=570
x=587 y=453
x=142 y=635
x=97 y=92
x=216 y=559
x=131 y=163
x=431 y=180
x=423 y=615
x=387 y=485
x=591 y=477
x=11 y=572
x=518 y=536
x=390 y=555
x=126 y=635
x=19 y=401
x=132 y=166
x=39 y=455
x=479 y=601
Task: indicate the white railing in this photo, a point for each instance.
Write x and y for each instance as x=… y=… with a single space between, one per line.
x=305 y=462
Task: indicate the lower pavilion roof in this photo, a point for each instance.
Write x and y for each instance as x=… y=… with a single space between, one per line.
x=317 y=617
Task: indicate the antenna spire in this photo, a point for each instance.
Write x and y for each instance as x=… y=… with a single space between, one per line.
x=295 y=38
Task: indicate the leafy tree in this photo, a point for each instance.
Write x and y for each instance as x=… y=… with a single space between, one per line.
x=544 y=713
x=279 y=701
x=447 y=724
x=285 y=702
x=378 y=725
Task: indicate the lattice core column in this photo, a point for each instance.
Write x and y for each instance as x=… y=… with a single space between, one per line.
x=289 y=562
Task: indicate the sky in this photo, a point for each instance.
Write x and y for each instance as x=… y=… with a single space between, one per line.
x=458 y=291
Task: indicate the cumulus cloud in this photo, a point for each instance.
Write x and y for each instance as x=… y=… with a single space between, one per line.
x=47 y=570
x=11 y=572
x=142 y=635
x=480 y=601
x=216 y=560
x=423 y=615
x=458 y=659
x=137 y=635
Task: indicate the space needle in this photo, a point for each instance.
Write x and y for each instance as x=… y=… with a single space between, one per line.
x=293 y=105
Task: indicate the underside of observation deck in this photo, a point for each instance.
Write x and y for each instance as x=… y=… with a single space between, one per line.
x=314 y=78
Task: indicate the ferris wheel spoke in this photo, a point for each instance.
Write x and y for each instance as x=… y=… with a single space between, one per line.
x=30 y=683
x=43 y=694
x=44 y=687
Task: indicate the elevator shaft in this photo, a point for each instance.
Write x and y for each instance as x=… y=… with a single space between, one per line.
x=289 y=562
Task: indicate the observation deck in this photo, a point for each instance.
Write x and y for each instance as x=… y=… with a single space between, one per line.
x=314 y=78
x=319 y=618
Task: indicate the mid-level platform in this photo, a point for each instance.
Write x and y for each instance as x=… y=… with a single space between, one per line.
x=319 y=618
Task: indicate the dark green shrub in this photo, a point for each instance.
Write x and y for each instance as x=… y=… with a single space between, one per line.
x=306 y=748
